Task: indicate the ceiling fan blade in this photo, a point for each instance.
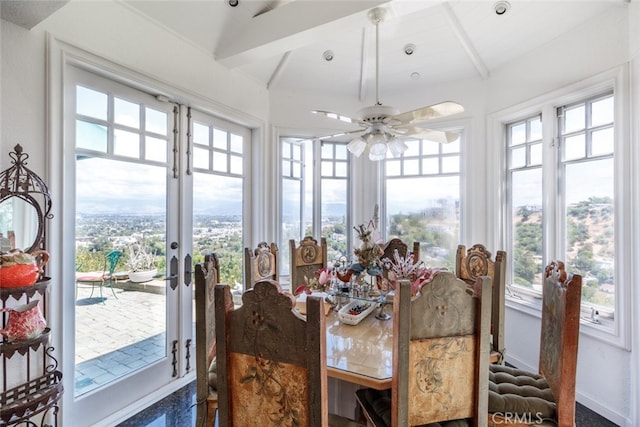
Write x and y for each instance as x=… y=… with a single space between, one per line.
x=333 y=135
x=443 y=137
x=335 y=116
x=428 y=113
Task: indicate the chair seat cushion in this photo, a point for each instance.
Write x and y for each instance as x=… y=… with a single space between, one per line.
x=377 y=405
x=515 y=391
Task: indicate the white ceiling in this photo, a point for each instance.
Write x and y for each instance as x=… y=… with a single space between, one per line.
x=281 y=42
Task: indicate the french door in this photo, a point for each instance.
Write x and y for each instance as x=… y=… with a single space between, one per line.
x=132 y=338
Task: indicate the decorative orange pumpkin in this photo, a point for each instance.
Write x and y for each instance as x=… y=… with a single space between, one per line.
x=18 y=268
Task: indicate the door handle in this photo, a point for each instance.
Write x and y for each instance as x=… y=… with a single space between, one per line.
x=173 y=273
x=187 y=270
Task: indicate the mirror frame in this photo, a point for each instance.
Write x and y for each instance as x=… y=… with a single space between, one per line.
x=19 y=181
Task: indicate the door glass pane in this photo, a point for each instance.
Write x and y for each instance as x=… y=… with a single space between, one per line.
x=113 y=214
x=217 y=222
x=91 y=103
x=91 y=136
x=126 y=143
x=156 y=121
x=291 y=215
x=155 y=149
x=334 y=216
x=126 y=113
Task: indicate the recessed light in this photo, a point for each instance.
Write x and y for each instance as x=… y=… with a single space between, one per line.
x=409 y=49
x=501 y=7
x=233 y=3
x=415 y=75
x=328 y=55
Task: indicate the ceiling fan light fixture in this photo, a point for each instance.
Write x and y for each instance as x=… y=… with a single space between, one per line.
x=357 y=146
x=378 y=148
x=397 y=147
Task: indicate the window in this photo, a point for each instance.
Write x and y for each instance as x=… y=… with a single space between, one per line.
x=315 y=190
x=524 y=154
x=422 y=190
x=574 y=174
x=218 y=188
x=586 y=142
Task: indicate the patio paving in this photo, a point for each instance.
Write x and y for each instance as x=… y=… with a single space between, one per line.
x=117 y=334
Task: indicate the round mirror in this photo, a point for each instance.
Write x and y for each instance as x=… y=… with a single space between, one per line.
x=20 y=224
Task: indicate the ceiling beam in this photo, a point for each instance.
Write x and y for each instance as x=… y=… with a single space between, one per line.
x=465 y=41
x=278 y=71
x=290 y=26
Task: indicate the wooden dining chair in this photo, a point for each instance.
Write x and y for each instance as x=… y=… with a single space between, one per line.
x=305 y=259
x=271 y=360
x=206 y=277
x=260 y=264
x=440 y=356
x=389 y=250
x=476 y=262
x=518 y=397
x=396 y=244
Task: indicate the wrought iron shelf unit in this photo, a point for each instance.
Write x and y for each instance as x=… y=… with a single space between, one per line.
x=40 y=386
x=30 y=381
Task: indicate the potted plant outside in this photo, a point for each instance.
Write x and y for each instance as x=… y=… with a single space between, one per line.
x=141 y=262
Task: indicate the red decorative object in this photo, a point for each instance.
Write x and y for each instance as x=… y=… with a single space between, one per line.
x=25 y=322
x=19 y=269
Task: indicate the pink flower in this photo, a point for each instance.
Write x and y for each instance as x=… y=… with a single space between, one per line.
x=324 y=276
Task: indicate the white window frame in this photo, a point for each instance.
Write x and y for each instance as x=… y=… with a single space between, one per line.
x=617 y=80
x=316 y=176
x=462 y=127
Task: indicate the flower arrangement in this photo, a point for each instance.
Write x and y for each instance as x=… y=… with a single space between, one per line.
x=368 y=254
x=404 y=268
x=321 y=283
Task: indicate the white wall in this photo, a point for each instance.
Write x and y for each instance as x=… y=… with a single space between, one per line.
x=604 y=383
x=22 y=95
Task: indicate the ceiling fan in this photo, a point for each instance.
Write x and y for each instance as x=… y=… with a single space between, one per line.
x=382 y=127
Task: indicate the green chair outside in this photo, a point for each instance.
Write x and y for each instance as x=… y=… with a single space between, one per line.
x=101 y=278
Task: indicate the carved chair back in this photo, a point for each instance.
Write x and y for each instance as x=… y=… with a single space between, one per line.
x=559 y=333
x=394 y=244
x=260 y=264
x=476 y=262
x=206 y=277
x=550 y=393
x=271 y=360
x=306 y=259
x=440 y=355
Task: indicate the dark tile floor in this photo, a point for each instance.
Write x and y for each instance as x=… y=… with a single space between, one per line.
x=178 y=410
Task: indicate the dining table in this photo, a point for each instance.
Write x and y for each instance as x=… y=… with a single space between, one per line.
x=360 y=354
